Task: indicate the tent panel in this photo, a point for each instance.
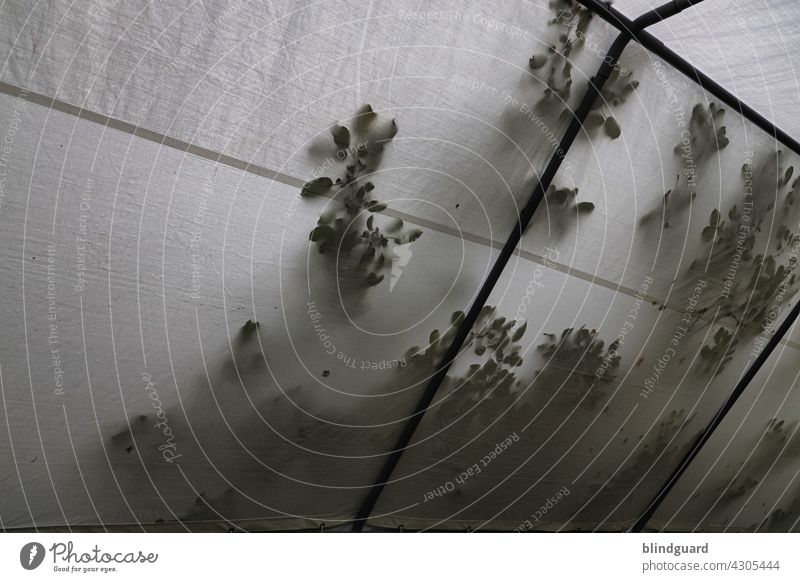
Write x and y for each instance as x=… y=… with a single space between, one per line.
x=252 y=84
x=709 y=269
x=134 y=387
x=750 y=48
x=745 y=478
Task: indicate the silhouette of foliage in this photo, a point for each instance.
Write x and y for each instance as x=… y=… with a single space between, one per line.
x=348 y=226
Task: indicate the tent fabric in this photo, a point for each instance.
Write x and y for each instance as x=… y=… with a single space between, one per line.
x=750 y=48
x=178 y=353
x=641 y=271
x=745 y=479
x=281 y=428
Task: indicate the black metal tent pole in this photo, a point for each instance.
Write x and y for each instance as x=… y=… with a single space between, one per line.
x=656 y=47
x=705 y=434
x=627 y=29
x=635 y=26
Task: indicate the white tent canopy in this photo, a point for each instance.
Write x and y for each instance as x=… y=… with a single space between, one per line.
x=191 y=343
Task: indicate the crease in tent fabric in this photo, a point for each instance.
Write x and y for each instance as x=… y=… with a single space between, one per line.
x=628 y=29
x=149 y=135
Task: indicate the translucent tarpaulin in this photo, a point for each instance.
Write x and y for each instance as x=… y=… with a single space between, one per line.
x=745 y=479
x=240 y=238
x=749 y=48
x=641 y=316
